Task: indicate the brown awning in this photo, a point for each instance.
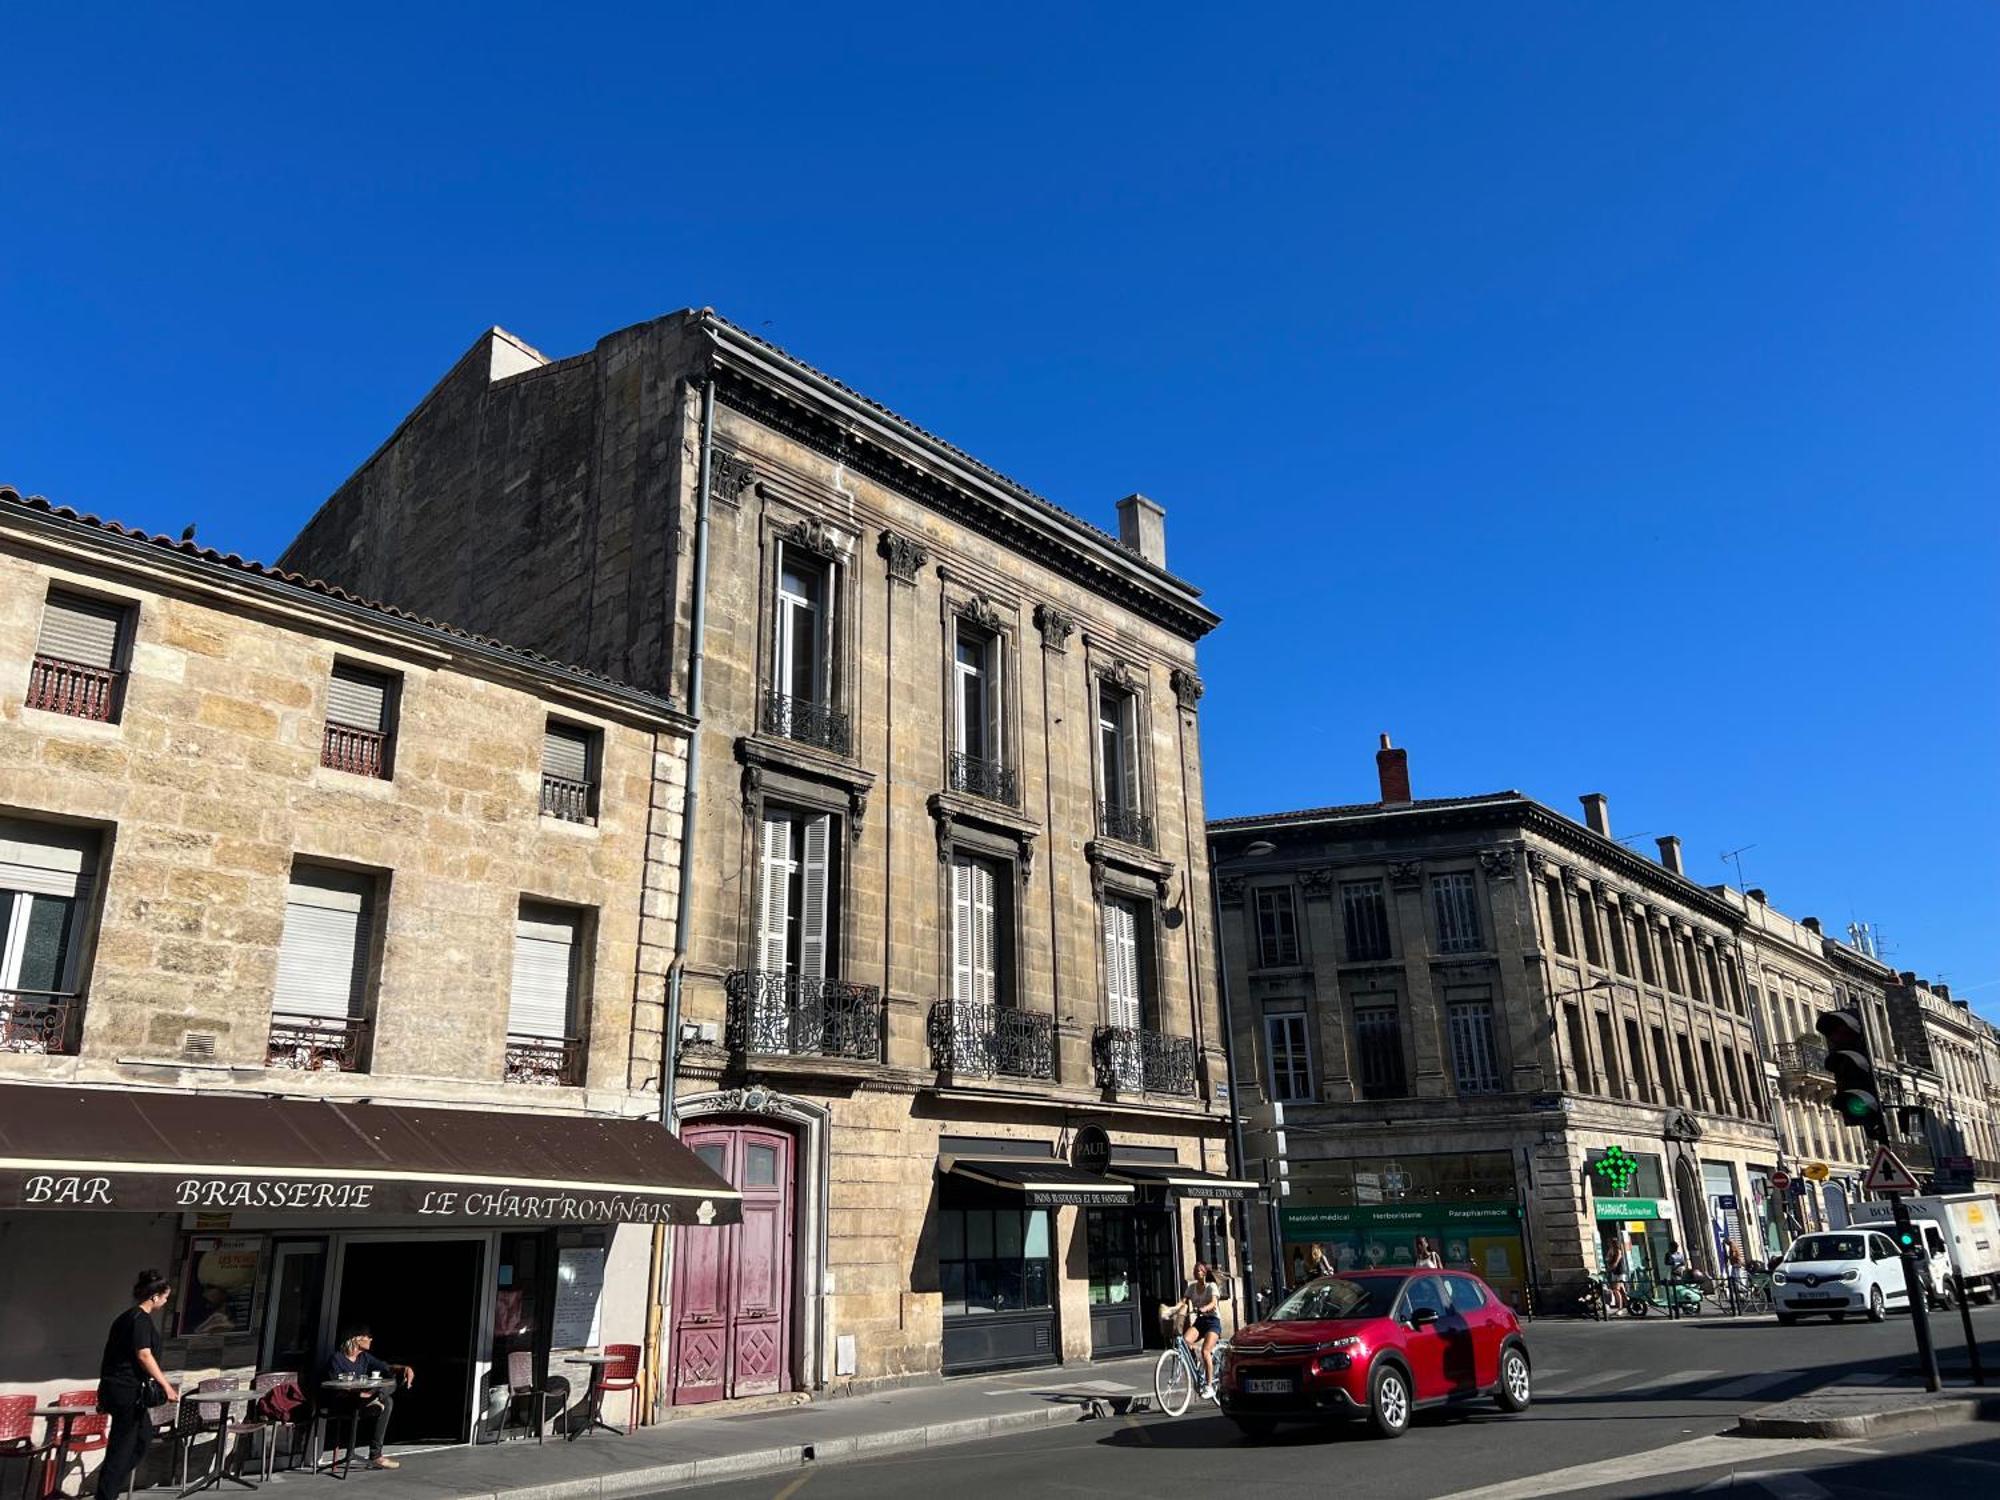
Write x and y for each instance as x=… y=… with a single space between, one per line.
x=72 y=1148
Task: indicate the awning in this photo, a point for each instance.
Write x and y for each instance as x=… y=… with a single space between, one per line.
x=78 y=1148
x=1185 y=1182
x=1041 y=1184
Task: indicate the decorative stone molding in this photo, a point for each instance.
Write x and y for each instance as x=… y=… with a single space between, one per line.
x=1317 y=882
x=814 y=536
x=1188 y=688
x=1055 y=626
x=1682 y=1126
x=947 y=825
x=1118 y=672
x=1229 y=889
x=905 y=557
x=1497 y=863
x=980 y=611
x=754 y=1101
x=729 y=476
x=857 y=810
x=1406 y=874
x=753 y=791
x=1540 y=867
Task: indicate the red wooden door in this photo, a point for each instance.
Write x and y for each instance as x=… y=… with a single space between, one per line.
x=733 y=1285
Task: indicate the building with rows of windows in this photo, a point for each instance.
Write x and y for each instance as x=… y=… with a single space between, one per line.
x=950 y=890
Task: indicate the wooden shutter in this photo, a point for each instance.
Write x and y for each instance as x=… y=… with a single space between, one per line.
x=566 y=752
x=323 y=955
x=774 y=932
x=357 y=699
x=81 y=631
x=544 y=972
x=962 y=967
x=1121 y=962
x=44 y=860
x=813 y=897
x=985 y=936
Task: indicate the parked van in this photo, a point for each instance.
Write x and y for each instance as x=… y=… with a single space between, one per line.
x=1967 y=1224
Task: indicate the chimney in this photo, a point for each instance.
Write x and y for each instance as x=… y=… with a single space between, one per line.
x=1811 y=924
x=1392 y=767
x=1942 y=991
x=1756 y=893
x=1142 y=528
x=1597 y=813
x=1908 y=977
x=1670 y=854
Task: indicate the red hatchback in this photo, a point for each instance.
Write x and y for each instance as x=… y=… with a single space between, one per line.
x=1379 y=1345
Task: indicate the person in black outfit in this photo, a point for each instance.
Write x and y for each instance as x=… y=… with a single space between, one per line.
x=354 y=1358
x=129 y=1380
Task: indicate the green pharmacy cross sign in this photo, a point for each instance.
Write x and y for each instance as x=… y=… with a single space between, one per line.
x=1617 y=1168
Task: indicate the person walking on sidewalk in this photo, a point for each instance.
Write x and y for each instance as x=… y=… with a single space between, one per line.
x=129 y=1380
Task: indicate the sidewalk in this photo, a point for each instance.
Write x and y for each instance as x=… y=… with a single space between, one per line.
x=701 y=1449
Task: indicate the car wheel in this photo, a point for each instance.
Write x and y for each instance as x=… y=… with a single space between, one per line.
x=1389 y=1400
x=1255 y=1429
x=1788 y=1319
x=1516 y=1388
x=1876 y=1310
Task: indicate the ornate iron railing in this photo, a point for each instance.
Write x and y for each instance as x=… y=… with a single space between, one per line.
x=37 y=1021
x=967 y=1037
x=1801 y=1057
x=984 y=778
x=364 y=752
x=316 y=1044
x=553 y=1060
x=1130 y=1057
x=795 y=1015
x=807 y=722
x=566 y=799
x=1116 y=821
x=69 y=687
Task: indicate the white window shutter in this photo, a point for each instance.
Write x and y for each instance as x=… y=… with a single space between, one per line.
x=774 y=938
x=962 y=966
x=544 y=972
x=83 y=631
x=46 y=860
x=1121 y=962
x=324 y=951
x=356 y=699
x=813 y=898
x=985 y=937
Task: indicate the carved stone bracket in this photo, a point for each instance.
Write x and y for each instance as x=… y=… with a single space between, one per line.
x=815 y=536
x=1406 y=874
x=1539 y=866
x=980 y=611
x=1120 y=675
x=753 y=790
x=946 y=827
x=729 y=477
x=1498 y=863
x=1317 y=882
x=747 y=1102
x=1055 y=626
x=905 y=557
x=1188 y=688
x=857 y=810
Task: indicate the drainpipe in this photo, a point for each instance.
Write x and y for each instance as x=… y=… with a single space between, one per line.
x=1247 y=1305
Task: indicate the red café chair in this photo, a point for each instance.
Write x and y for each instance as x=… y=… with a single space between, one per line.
x=622 y=1375
x=17 y=1436
x=87 y=1434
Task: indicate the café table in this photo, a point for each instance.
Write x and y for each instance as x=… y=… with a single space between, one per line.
x=61 y=1420
x=356 y=1389
x=218 y=1471
x=593 y=1405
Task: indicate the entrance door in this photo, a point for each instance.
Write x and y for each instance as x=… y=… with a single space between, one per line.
x=733 y=1284
x=1157 y=1269
x=1115 y=1308
x=421 y=1298
x=292 y=1335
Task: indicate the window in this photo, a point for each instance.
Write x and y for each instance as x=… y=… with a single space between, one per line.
x=1277 y=927
x=1715 y=1097
x=569 y=772
x=46 y=873
x=1690 y=1088
x=1690 y=973
x=1586 y=923
x=800 y=703
x=1457 y=912
x=979 y=757
x=795 y=932
x=1579 y=1051
x=1662 y=1065
x=1365 y=920
x=1643 y=944
x=1735 y=1081
x=1475 y=1059
x=1614 y=923
x=1607 y=1048
x=1290 y=1069
x=1464 y=1294
x=1559 y=917
x=979 y=970
x=78 y=665
x=1128 y=945
x=1669 y=970
x=1378 y=1043
x=357 y=721
x=995 y=1260
x=317 y=1008
x=542 y=1042
x=1637 y=1054
x=1716 y=994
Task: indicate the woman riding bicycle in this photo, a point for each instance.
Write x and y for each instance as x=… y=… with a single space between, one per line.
x=1199 y=1300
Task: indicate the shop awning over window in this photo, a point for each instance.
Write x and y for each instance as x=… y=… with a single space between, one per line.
x=1184 y=1182
x=78 y=1148
x=1041 y=1184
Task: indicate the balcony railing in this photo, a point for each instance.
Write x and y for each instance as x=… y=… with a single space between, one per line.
x=1797 y=1059
x=556 y=1061
x=37 y=1021
x=566 y=799
x=984 y=778
x=68 y=687
x=1130 y=1058
x=809 y=723
x=364 y=752
x=966 y=1037
x=1116 y=821
x=316 y=1044
x=795 y=1015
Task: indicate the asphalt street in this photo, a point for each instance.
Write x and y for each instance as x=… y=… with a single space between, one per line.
x=1625 y=1408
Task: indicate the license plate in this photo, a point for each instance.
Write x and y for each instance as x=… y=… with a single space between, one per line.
x=1267 y=1387
x=1818 y=1302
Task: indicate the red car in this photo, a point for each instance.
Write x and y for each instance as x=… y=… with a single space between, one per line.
x=1375 y=1344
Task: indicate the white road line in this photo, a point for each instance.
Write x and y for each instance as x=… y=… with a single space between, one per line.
x=1750 y=1385
x=1679 y=1377
x=1679 y=1458
x=1588 y=1381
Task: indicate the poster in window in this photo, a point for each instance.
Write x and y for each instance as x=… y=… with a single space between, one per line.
x=220 y=1285
x=579 y=1289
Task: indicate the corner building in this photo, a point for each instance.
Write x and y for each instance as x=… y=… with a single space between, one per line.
x=949 y=896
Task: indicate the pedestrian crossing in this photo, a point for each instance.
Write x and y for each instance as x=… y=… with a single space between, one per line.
x=1704 y=1385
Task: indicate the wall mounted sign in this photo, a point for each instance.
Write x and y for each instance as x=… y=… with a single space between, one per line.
x=1090 y=1150
x=1617 y=1167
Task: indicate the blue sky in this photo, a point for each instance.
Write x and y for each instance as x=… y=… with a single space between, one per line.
x=1596 y=398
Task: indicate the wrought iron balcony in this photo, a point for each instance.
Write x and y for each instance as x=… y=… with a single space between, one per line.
x=37 y=1021
x=316 y=1044
x=819 y=724
x=795 y=1015
x=1130 y=1058
x=984 y=778
x=967 y=1037
x=362 y=752
x=566 y=799
x=67 y=687
x=1801 y=1059
x=556 y=1061
x=1116 y=821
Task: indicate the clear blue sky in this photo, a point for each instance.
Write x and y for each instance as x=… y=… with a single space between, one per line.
x=1596 y=397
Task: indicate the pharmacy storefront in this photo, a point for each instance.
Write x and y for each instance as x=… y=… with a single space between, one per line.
x=1483 y=1237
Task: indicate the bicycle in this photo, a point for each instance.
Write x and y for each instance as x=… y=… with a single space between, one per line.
x=1178 y=1375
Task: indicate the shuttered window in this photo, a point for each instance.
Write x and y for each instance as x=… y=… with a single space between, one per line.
x=1125 y=996
x=545 y=954
x=975 y=952
x=83 y=631
x=569 y=772
x=566 y=752
x=45 y=879
x=323 y=958
x=795 y=932
x=357 y=699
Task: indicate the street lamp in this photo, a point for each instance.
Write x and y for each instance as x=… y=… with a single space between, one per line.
x=1256 y=849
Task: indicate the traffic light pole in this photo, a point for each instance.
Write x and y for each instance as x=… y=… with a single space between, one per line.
x=1915 y=1262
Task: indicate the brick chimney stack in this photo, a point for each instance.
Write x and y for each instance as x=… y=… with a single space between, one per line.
x=1392 y=766
x=1670 y=854
x=1811 y=924
x=1597 y=813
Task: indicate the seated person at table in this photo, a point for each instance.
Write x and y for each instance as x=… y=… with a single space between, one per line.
x=352 y=1360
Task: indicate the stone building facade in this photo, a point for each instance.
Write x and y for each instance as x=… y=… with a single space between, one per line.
x=1947 y=1054
x=950 y=893
x=1495 y=1027
x=299 y=861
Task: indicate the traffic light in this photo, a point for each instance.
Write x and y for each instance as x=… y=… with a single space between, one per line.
x=1857 y=1097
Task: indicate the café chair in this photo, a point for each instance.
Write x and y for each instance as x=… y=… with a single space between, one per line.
x=521 y=1387
x=619 y=1377
x=17 y=1437
x=291 y=1431
x=90 y=1433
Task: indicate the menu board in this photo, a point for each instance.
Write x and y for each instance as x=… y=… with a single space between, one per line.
x=579 y=1289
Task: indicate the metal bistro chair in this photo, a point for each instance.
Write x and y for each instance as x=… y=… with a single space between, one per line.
x=622 y=1376
x=17 y=1437
x=206 y=1416
x=90 y=1433
x=521 y=1385
x=162 y=1418
x=269 y=1381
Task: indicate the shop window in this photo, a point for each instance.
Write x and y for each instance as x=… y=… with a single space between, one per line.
x=995 y=1260
x=1110 y=1237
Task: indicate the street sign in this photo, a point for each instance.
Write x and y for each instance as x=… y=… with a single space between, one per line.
x=1781 y=1180
x=1817 y=1171
x=1725 y=1201
x=1887 y=1174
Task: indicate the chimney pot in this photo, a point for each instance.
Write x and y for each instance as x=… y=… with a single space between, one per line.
x=1756 y=893
x=1392 y=769
x=1142 y=528
x=1597 y=813
x=1670 y=853
x=1811 y=924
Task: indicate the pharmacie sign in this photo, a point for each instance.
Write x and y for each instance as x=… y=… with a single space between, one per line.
x=1332 y=1220
x=1632 y=1208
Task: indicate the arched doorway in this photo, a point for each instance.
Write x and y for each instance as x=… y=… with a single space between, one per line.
x=732 y=1286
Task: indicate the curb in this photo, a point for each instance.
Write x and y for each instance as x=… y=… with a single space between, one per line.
x=1920 y=1416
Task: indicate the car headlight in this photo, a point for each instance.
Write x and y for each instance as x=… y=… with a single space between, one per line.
x=1779 y=1278
x=1850 y=1275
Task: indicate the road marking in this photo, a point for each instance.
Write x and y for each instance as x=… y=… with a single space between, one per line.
x=793 y=1488
x=1678 y=1458
x=1589 y=1380
x=1680 y=1377
x=1750 y=1385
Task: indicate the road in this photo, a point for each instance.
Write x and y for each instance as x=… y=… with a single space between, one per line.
x=1626 y=1405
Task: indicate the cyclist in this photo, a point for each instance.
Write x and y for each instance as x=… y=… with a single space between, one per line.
x=1199 y=1300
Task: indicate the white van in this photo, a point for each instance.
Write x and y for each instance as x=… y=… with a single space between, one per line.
x=1969 y=1225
